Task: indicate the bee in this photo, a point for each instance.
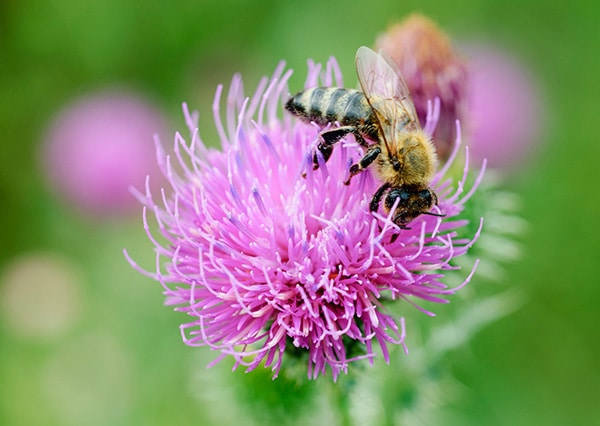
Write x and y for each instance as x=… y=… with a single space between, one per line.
x=384 y=122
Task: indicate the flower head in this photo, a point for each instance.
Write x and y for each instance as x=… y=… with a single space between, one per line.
x=270 y=258
x=505 y=107
x=431 y=68
x=100 y=145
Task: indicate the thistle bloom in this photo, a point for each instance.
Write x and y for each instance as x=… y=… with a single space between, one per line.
x=505 y=107
x=270 y=258
x=100 y=145
x=432 y=69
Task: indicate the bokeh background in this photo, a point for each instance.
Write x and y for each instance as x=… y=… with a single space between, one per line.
x=84 y=339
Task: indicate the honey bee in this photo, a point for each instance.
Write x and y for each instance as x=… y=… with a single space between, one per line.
x=384 y=122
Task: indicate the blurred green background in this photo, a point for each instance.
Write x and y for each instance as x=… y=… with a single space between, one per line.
x=120 y=360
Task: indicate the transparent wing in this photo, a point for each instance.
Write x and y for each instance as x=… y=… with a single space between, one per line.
x=384 y=87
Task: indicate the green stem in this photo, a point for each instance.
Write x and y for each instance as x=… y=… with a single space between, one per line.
x=340 y=400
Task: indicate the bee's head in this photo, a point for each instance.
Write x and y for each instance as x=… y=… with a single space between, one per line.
x=413 y=201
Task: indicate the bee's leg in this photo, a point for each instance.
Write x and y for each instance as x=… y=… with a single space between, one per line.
x=360 y=140
x=330 y=137
x=375 y=203
x=364 y=162
x=377 y=196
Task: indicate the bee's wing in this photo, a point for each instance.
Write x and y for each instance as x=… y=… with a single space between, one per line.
x=386 y=91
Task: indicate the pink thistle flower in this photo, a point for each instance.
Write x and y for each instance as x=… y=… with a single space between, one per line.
x=505 y=107
x=98 y=146
x=268 y=263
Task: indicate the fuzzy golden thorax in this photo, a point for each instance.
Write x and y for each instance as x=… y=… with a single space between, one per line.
x=410 y=161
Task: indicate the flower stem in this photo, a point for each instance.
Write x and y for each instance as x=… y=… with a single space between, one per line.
x=340 y=400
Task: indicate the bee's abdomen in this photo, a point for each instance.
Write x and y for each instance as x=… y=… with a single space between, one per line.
x=325 y=105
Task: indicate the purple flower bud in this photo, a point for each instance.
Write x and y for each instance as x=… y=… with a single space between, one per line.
x=432 y=69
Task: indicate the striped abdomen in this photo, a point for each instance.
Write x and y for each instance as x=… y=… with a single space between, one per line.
x=325 y=105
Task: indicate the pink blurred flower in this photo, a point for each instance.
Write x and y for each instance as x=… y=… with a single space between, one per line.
x=269 y=264
x=432 y=69
x=100 y=145
x=505 y=107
